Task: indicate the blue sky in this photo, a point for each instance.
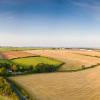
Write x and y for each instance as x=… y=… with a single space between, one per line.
x=69 y=23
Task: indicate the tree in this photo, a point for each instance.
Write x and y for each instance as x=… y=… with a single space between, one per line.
x=14 y=68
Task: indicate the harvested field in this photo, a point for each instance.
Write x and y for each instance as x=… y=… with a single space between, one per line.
x=1 y=57
x=15 y=54
x=86 y=52
x=82 y=85
x=72 y=60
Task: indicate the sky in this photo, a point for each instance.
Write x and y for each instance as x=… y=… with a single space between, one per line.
x=50 y=23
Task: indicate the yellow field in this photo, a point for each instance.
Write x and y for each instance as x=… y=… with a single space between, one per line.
x=72 y=59
x=81 y=85
x=86 y=52
x=4 y=98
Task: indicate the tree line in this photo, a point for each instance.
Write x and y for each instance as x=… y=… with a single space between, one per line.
x=9 y=67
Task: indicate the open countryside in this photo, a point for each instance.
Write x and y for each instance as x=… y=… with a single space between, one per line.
x=66 y=65
x=72 y=60
x=49 y=49
x=81 y=85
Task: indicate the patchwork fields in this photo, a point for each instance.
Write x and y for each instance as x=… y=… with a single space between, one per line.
x=72 y=60
x=62 y=84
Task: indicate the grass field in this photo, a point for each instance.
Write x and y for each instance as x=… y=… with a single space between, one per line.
x=82 y=85
x=72 y=60
x=36 y=60
x=4 y=98
x=20 y=48
x=15 y=48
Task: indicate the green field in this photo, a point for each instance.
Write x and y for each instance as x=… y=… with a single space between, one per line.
x=15 y=48
x=36 y=60
x=4 y=49
x=3 y=98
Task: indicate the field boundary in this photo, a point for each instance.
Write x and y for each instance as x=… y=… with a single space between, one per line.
x=87 y=55
x=82 y=69
x=22 y=89
x=62 y=63
x=25 y=57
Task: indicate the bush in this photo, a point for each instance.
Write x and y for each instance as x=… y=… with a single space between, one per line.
x=2 y=71
x=6 y=90
x=7 y=67
x=40 y=68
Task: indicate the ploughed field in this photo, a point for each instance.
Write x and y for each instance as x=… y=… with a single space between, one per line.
x=81 y=85
x=72 y=60
x=15 y=54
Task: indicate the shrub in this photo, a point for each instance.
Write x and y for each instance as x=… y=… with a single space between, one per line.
x=45 y=68
x=6 y=90
x=2 y=71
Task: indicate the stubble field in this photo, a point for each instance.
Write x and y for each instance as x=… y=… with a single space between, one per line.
x=72 y=60
x=81 y=85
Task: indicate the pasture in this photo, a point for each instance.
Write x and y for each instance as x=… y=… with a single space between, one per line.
x=5 y=49
x=36 y=60
x=81 y=85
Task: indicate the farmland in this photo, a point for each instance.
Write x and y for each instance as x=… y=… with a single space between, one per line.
x=82 y=85
x=2 y=49
x=23 y=62
x=1 y=56
x=92 y=53
x=72 y=60
x=36 y=60
x=15 y=54
x=61 y=84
